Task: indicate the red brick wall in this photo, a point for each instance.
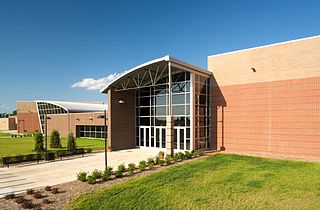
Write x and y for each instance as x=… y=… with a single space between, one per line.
x=278 y=118
x=121 y=133
x=28 y=122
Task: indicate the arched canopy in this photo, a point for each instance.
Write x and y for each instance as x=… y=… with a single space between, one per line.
x=150 y=73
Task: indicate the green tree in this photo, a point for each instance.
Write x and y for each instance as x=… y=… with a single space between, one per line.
x=38 y=142
x=71 y=142
x=55 y=141
x=14 y=113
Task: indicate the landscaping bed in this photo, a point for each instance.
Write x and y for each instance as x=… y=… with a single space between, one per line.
x=72 y=189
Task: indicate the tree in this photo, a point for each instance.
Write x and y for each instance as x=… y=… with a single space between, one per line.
x=14 y=113
x=55 y=141
x=71 y=142
x=38 y=142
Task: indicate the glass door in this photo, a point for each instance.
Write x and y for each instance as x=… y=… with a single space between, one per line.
x=180 y=138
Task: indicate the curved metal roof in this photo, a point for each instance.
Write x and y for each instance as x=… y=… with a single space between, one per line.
x=133 y=71
x=77 y=107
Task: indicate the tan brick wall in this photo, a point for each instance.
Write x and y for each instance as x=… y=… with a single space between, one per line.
x=292 y=60
x=275 y=111
x=121 y=133
x=64 y=122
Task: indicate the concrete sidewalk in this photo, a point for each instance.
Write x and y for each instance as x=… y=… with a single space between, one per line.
x=22 y=177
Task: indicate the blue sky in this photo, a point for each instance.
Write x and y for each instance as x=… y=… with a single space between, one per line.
x=47 y=46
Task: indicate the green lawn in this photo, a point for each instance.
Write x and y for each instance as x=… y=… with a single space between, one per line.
x=5 y=134
x=218 y=182
x=20 y=146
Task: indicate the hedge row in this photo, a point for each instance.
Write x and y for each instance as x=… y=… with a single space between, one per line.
x=109 y=173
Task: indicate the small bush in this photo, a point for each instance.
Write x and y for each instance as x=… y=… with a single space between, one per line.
x=187 y=155
x=121 y=169
x=55 y=190
x=107 y=174
x=91 y=180
x=19 y=200
x=30 y=191
x=10 y=196
x=71 y=142
x=46 y=201
x=142 y=165
x=96 y=174
x=27 y=204
x=47 y=188
x=38 y=142
x=82 y=176
x=131 y=168
x=156 y=160
x=55 y=141
x=150 y=161
x=168 y=160
x=162 y=162
x=197 y=153
x=38 y=195
x=175 y=157
x=180 y=155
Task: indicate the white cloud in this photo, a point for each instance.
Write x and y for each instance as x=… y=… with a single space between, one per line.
x=4 y=107
x=96 y=84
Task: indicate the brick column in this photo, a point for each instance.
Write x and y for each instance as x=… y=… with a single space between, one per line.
x=170 y=136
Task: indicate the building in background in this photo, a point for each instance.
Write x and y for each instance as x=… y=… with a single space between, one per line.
x=264 y=100
x=81 y=119
x=8 y=123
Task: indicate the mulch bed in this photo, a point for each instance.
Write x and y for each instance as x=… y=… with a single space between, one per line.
x=69 y=190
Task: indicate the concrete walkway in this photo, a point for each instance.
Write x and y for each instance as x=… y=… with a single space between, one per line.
x=22 y=177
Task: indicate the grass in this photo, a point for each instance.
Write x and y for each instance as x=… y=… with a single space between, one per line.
x=222 y=181
x=5 y=134
x=21 y=146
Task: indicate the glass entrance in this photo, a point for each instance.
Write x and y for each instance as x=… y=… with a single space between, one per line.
x=180 y=138
x=154 y=137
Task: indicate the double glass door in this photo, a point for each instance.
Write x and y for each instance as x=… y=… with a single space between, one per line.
x=155 y=137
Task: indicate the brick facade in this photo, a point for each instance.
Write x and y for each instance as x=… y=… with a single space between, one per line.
x=122 y=120
x=279 y=114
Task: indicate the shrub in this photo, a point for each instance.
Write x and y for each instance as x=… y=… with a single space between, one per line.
x=150 y=161
x=197 y=153
x=38 y=195
x=47 y=188
x=142 y=165
x=30 y=191
x=121 y=169
x=168 y=160
x=91 y=180
x=55 y=141
x=71 y=142
x=55 y=190
x=10 y=196
x=156 y=160
x=180 y=155
x=161 y=155
x=162 y=162
x=187 y=155
x=19 y=200
x=38 y=142
x=175 y=157
x=96 y=174
x=107 y=174
x=27 y=204
x=131 y=168
x=82 y=176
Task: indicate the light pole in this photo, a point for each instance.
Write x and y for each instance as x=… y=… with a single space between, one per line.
x=105 y=138
x=46 y=133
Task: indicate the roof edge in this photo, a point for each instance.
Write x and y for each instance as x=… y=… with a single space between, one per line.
x=262 y=46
